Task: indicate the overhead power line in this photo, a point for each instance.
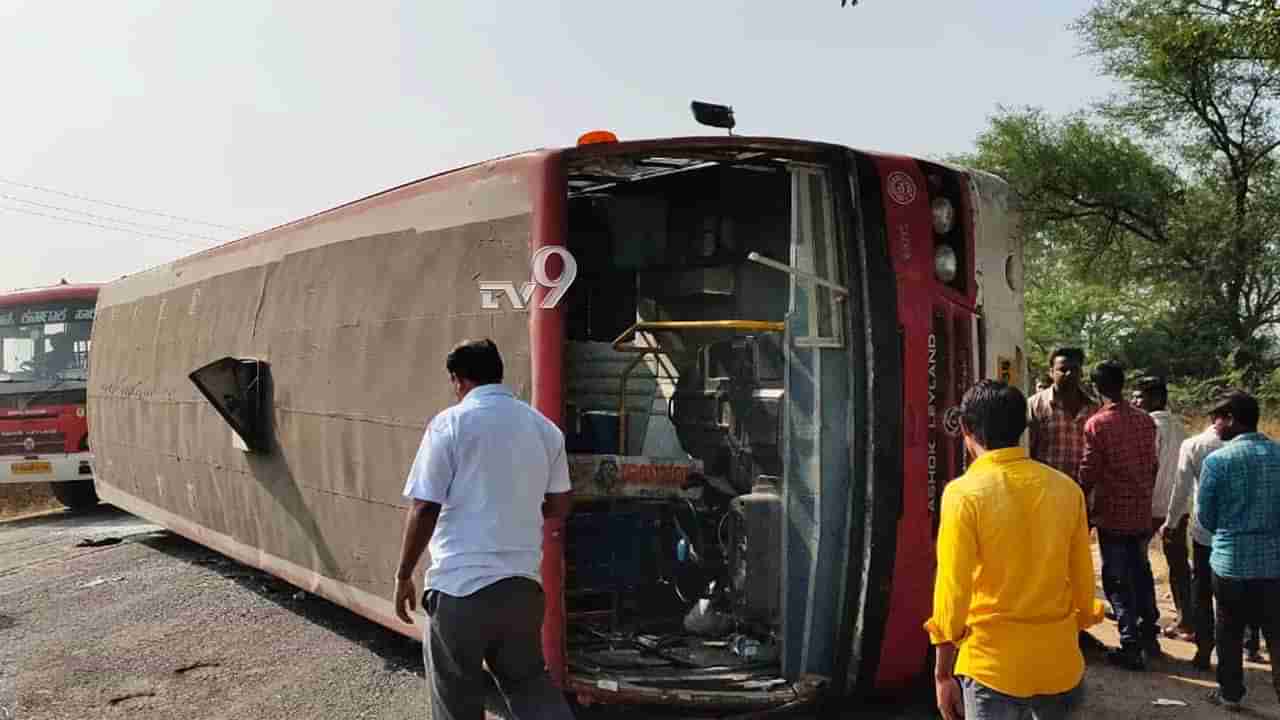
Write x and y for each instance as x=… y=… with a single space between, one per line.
x=86 y=198
x=131 y=231
x=119 y=221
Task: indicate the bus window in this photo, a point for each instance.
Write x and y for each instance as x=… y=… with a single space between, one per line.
x=18 y=354
x=815 y=250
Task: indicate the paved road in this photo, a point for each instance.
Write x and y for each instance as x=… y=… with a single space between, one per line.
x=154 y=626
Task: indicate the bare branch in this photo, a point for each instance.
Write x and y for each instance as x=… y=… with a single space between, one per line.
x=1265 y=151
x=1112 y=213
x=1219 y=132
x=1248 y=111
x=1220 y=9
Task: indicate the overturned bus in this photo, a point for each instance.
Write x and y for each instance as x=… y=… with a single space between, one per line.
x=755 y=348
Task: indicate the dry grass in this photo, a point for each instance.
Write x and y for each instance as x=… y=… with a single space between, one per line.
x=25 y=499
x=1269 y=426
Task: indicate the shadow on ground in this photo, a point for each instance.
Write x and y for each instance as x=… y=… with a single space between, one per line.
x=397 y=652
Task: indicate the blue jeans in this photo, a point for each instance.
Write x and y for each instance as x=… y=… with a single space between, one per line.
x=983 y=703
x=1130 y=587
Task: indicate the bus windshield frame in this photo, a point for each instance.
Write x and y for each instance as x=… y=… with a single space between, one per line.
x=46 y=342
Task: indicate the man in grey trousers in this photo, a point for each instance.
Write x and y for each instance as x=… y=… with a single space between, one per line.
x=487 y=471
x=1185 y=484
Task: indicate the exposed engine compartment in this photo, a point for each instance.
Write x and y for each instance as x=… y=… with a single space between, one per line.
x=726 y=409
x=675 y=382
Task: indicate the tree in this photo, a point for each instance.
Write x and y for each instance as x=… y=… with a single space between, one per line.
x=1201 y=97
x=1169 y=192
x=1253 y=25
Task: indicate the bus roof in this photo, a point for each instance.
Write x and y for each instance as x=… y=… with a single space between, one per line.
x=52 y=293
x=702 y=148
x=723 y=148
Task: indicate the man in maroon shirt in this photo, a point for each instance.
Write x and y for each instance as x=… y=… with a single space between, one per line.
x=1119 y=466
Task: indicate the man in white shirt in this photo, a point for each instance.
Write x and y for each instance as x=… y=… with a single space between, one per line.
x=487 y=471
x=1185 y=484
x=1152 y=395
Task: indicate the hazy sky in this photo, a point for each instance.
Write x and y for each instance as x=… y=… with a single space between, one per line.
x=250 y=114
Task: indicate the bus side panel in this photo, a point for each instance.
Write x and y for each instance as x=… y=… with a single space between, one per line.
x=355 y=311
x=904 y=650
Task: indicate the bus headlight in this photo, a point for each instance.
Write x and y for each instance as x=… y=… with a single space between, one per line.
x=945 y=264
x=944 y=215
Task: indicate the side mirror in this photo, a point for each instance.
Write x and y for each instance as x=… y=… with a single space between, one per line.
x=240 y=390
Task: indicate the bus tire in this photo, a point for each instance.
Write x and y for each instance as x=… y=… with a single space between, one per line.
x=76 y=494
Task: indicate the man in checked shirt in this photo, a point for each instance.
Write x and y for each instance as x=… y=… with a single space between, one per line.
x=1057 y=414
x=1120 y=465
x=1055 y=428
x=1238 y=501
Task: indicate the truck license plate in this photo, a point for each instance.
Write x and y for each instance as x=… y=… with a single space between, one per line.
x=32 y=468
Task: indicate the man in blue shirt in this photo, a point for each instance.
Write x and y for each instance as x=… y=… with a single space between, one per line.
x=1238 y=501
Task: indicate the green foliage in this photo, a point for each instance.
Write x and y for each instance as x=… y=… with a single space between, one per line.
x=1193 y=395
x=1084 y=186
x=1251 y=26
x=1152 y=221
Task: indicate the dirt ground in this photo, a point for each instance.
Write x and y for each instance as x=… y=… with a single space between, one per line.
x=153 y=626
x=1116 y=694
x=25 y=499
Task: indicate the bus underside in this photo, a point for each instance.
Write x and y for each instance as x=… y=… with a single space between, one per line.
x=676 y=377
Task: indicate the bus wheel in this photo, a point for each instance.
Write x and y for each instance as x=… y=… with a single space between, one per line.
x=75 y=495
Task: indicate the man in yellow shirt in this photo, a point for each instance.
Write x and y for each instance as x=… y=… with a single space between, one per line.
x=1015 y=582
